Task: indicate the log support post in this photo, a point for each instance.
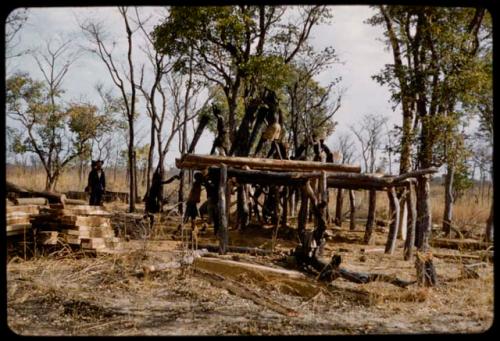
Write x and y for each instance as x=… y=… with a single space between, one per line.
x=410 y=231
x=370 y=221
x=394 y=221
x=223 y=192
x=352 y=217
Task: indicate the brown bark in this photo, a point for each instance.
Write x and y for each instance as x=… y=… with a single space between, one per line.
x=370 y=222
x=223 y=228
x=423 y=225
x=202 y=161
x=412 y=214
x=448 y=200
x=338 y=207
x=352 y=215
x=394 y=223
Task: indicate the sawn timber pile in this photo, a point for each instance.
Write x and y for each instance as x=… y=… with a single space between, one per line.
x=88 y=227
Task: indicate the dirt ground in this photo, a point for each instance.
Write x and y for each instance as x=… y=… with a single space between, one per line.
x=62 y=294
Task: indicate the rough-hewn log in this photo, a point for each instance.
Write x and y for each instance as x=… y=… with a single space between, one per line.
x=31 y=201
x=269 y=177
x=370 y=222
x=52 y=197
x=393 y=227
x=11 y=187
x=193 y=161
x=410 y=231
x=223 y=228
x=338 y=207
x=423 y=227
x=75 y=202
x=352 y=214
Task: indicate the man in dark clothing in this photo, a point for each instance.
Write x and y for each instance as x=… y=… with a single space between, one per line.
x=96 y=183
x=153 y=201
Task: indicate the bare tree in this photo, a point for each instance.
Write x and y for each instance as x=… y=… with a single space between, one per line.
x=124 y=81
x=369 y=135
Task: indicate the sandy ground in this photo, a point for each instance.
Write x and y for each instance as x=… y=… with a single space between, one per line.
x=62 y=294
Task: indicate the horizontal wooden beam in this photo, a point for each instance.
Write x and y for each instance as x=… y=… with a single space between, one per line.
x=194 y=161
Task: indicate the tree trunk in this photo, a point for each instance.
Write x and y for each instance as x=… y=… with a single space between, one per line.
x=150 y=156
x=131 y=170
x=448 y=200
x=338 y=208
x=371 y=216
x=423 y=226
x=489 y=222
x=412 y=214
x=394 y=222
x=223 y=228
x=352 y=216
x=180 y=194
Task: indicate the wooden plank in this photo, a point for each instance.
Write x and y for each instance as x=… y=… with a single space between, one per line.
x=86 y=220
x=233 y=269
x=193 y=161
x=18 y=220
x=17 y=227
x=22 y=208
x=75 y=202
x=31 y=201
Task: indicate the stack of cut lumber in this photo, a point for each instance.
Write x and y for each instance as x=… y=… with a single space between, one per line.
x=88 y=227
x=18 y=219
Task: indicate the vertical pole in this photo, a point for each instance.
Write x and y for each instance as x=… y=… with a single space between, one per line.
x=229 y=190
x=394 y=223
x=222 y=191
x=352 y=218
x=370 y=221
x=302 y=218
x=324 y=195
x=410 y=233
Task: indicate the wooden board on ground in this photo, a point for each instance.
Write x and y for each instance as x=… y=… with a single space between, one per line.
x=233 y=268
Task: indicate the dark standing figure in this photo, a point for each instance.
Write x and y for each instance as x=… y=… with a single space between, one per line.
x=96 y=183
x=153 y=201
x=211 y=187
x=193 y=199
x=220 y=142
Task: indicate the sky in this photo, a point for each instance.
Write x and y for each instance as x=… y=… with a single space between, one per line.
x=358 y=46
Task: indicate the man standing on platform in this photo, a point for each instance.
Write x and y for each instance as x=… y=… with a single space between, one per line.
x=96 y=183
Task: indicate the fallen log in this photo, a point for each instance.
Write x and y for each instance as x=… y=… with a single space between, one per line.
x=75 y=202
x=306 y=257
x=30 y=201
x=11 y=187
x=233 y=268
x=193 y=161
